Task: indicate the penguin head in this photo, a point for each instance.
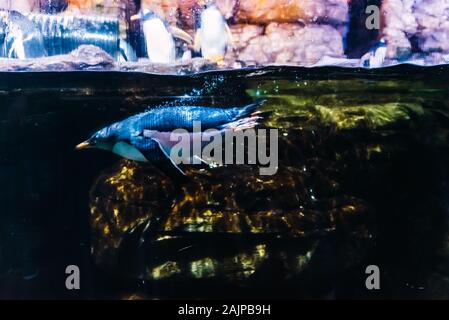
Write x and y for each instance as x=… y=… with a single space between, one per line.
x=211 y=16
x=116 y=139
x=148 y=15
x=145 y=15
x=382 y=43
x=105 y=138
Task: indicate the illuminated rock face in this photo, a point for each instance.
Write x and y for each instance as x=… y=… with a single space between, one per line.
x=94 y=6
x=298 y=32
x=287 y=43
x=256 y=11
x=24 y=6
x=267 y=11
x=432 y=17
x=287 y=32
x=423 y=22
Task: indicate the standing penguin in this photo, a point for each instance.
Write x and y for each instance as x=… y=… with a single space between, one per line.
x=160 y=45
x=22 y=39
x=375 y=58
x=213 y=36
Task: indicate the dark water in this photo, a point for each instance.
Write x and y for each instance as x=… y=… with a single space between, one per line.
x=362 y=179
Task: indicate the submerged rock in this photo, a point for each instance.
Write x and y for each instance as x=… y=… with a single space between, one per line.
x=369 y=116
x=228 y=224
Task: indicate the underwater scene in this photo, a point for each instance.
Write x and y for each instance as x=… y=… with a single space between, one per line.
x=181 y=149
x=362 y=179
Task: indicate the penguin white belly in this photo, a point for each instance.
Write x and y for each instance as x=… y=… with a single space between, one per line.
x=378 y=58
x=159 y=42
x=17 y=49
x=128 y=151
x=213 y=43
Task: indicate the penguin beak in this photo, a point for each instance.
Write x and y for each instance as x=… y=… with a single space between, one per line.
x=84 y=145
x=135 y=17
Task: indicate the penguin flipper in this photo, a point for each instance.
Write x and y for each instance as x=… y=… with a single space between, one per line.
x=250 y=109
x=165 y=164
x=166 y=146
x=166 y=153
x=156 y=155
x=180 y=34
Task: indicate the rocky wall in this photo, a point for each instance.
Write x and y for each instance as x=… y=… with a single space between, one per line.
x=299 y=32
x=264 y=31
x=416 y=26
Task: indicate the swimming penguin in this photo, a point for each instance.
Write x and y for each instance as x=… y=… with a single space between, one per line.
x=22 y=39
x=158 y=35
x=375 y=58
x=213 y=36
x=145 y=137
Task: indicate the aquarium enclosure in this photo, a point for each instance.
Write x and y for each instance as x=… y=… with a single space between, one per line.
x=224 y=149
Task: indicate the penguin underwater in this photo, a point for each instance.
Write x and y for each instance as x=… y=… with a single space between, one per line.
x=145 y=137
x=158 y=36
x=213 y=36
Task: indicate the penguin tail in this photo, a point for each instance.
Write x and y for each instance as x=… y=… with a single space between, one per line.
x=251 y=110
x=243 y=123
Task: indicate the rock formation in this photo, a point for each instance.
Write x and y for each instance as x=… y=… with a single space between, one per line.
x=412 y=26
